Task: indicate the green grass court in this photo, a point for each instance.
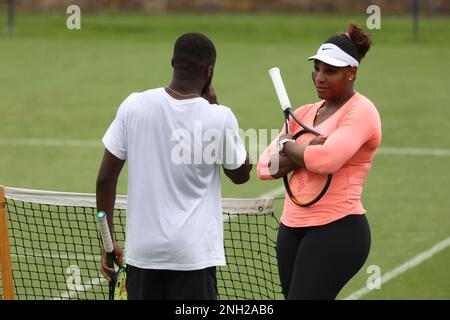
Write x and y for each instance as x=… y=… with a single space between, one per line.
x=60 y=90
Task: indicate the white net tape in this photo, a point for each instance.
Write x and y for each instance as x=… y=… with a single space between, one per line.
x=229 y=205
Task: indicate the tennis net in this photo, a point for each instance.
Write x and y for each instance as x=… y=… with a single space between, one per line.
x=54 y=246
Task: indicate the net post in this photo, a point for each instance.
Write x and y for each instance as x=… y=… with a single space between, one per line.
x=10 y=16
x=5 y=256
x=415 y=14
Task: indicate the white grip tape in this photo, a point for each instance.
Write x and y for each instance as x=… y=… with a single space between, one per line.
x=279 y=88
x=104 y=233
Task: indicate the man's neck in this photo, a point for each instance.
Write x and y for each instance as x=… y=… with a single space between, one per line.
x=186 y=86
x=179 y=95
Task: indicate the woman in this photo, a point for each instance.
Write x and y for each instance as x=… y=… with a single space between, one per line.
x=321 y=247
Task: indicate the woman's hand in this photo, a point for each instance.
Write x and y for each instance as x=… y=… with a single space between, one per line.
x=320 y=140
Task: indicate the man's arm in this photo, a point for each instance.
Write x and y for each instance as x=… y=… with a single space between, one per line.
x=108 y=175
x=242 y=174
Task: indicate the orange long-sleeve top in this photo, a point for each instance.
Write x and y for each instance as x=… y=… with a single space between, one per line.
x=353 y=134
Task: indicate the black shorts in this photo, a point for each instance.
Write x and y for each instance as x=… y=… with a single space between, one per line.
x=152 y=284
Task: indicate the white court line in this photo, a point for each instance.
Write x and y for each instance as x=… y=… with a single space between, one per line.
x=51 y=143
x=404 y=267
x=98 y=144
x=62 y=256
x=414 y=151
x=273 y=193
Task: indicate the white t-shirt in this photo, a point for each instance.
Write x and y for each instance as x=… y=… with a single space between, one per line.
x=174 y=150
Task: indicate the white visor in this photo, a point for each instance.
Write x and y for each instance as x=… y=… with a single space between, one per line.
x=335 y=56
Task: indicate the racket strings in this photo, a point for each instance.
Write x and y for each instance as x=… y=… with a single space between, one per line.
x=307 y=187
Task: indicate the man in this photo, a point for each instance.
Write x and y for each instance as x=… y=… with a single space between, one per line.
x=175 y=139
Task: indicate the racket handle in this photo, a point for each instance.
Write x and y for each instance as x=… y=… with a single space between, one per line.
x=104 y=231
x=110 y=263
x=292 y=113
x=286 y=121
x=110 y=260
x=279 y=88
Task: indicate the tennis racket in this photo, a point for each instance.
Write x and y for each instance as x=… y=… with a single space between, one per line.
x=120 y=286
x=303 y=187
x=109 y=249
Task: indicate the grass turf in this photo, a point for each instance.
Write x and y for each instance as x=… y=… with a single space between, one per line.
x=61 y=84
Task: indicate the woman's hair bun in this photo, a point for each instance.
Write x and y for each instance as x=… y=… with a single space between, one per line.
x=361 y=39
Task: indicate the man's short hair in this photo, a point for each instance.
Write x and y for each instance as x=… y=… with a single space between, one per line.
x=193 y=52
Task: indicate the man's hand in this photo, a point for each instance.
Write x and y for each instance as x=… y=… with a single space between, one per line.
x=118 y=254
x=210 y=96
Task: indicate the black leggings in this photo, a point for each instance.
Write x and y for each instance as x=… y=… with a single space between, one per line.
x=316 y=262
